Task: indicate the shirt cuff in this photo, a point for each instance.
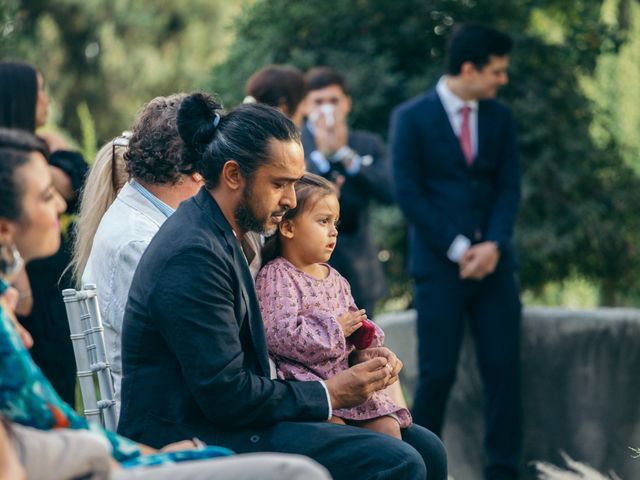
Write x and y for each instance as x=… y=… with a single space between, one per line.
x=326 y=389
x=355 y=161
x=354 y=168
x=320 y=160
x=458 y=248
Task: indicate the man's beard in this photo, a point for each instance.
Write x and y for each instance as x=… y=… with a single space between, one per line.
x=246 y=218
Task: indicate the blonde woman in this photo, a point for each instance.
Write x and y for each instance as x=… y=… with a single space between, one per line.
x=105 y=179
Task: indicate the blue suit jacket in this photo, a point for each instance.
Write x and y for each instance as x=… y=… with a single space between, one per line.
x=442 y=196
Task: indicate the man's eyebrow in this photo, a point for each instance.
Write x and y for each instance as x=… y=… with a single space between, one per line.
x=287 y=179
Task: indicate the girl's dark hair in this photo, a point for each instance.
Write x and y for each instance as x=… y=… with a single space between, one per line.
x=18 y=95
x=275 y=84
x=213 y=137
x=309 y=190
x=153 y=153
x=16 y=147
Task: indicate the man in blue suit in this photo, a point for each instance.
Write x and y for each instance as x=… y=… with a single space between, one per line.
x=457 y=180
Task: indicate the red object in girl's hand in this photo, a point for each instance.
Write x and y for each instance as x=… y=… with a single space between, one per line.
x=363 y=337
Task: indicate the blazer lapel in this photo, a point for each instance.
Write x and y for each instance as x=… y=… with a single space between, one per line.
x=247 y=289
x=483 y=130
x=256 y=326
x=447 y=133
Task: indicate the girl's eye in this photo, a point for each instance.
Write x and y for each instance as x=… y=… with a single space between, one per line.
x=323 y=221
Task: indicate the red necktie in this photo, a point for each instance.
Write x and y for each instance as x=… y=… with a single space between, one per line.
x=465 y=135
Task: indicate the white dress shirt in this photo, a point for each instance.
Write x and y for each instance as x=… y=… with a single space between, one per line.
x=124 y=233
x=453 y=106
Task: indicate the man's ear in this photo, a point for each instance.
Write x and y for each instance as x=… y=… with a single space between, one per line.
x=467 y=69
x=286 y=228
x=348 y=105
x=232 y=176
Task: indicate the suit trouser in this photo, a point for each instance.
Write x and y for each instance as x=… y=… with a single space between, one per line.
x=492 y=306
x=351 y=453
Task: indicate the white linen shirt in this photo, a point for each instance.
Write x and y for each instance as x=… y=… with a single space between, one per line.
x=453 y=105
x=124 y=233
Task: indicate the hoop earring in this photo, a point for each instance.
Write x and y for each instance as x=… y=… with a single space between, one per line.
x=10 y=262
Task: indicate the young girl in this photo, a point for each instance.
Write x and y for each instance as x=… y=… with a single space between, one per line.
x=309 y=314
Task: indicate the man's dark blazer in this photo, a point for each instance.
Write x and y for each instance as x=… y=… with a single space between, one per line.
x=355 y=256
x=442 y=196
x=193 y=349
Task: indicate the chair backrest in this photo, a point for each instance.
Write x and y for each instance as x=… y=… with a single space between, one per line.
x=87 y=337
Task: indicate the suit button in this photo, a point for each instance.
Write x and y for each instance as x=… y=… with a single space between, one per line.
x=254 y=438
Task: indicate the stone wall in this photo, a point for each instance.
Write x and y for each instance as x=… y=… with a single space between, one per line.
x=581 y=389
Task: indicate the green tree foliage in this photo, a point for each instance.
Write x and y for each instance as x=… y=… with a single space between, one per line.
x=579 y=197
x=113 y=56
x=613 y=90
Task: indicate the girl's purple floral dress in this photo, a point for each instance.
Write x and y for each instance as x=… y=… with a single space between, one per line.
x=304 y=337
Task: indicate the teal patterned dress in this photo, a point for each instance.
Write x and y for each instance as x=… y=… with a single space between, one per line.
x=27 y=398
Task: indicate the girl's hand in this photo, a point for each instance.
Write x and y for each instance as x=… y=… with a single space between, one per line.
x=351 y=321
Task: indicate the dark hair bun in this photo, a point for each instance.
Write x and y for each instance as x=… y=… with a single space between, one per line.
x=196 y=119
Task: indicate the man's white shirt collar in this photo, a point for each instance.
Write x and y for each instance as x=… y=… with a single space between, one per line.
x=451 y=102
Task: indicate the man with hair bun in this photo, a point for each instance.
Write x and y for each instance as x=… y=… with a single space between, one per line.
x=195 y=358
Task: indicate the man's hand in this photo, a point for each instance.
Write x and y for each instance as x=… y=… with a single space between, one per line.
x=179 y=446
x=479 y=261
x=330 y=136
x=351 y=321
x=354 y=386
x=394 y=364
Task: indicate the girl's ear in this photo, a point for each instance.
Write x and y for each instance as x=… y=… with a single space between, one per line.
x=286 y=228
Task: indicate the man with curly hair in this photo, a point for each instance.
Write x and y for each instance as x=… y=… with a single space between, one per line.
x=157 y=185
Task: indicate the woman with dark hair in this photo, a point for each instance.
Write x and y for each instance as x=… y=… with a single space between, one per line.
x=24 y=105
x=279 y=86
